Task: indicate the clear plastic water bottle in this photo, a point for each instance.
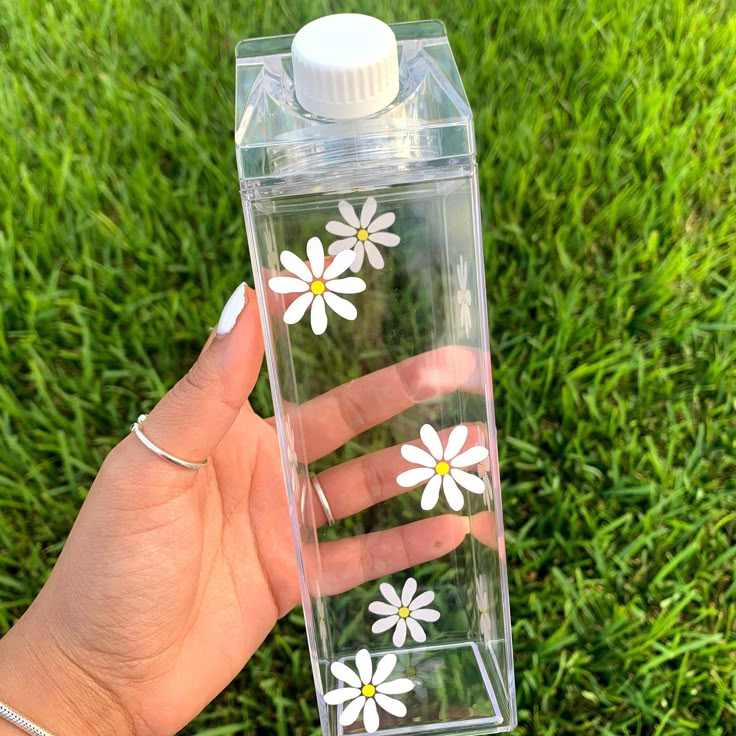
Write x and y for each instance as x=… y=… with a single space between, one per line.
x=356 y=158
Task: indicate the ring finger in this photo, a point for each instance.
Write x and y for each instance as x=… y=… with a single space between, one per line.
x=371 y=479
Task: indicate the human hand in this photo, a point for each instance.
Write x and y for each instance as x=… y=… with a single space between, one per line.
x=171 y=578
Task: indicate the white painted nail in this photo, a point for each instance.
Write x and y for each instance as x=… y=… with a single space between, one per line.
x=235 y=305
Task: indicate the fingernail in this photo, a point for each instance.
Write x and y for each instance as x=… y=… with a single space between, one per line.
x=235 y=305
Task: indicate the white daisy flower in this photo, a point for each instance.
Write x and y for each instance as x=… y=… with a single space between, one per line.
x=292 y=461
x=441 y=467
x=317 y=285
x=405 y=612
x=367 y=690
x=482 y=600
x=463 y=296
x=422 y=671
x=362 y=234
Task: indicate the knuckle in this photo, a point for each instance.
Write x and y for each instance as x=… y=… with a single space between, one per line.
x=371 y=479
x=198 y=379
x=352 y=412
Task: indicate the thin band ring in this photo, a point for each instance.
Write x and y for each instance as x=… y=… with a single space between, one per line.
x=322 y=499
x=136 y=429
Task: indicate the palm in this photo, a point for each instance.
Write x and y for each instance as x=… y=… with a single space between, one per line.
x=170 y=579
x=230 y=580
x=186 y=587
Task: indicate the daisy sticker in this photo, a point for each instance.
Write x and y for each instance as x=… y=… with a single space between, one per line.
x=367 y=690
x=463 y=296
x=293 y=463
x=481 y=599
x=422 y=671
x=441 y=466
x=317 y=285
x=362 y=235
x=403 y=613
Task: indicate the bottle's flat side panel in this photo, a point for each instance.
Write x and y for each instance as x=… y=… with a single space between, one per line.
x=399 y=360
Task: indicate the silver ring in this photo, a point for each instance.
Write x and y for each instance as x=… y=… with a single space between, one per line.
x=322 y=499
x=136 y=429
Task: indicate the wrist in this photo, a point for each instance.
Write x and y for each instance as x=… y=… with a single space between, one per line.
x=45 y=685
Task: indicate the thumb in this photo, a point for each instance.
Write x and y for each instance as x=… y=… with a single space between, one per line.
x=191 y=419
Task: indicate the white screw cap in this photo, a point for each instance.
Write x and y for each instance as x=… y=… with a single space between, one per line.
x=345 y=66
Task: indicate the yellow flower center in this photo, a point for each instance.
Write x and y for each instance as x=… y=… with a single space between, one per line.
x=368 y=690
x=362 y=234
x=317 y=287
x=411 y=671
x=442 y=468
x=404 y=612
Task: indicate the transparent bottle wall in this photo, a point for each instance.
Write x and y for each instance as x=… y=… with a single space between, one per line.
x=378 y=354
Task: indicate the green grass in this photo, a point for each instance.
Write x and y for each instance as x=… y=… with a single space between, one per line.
x=607 y=139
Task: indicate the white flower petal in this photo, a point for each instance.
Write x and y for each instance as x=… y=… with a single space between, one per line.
x=486 y=627
x=352 y=711
x=423 y=599
x=396 y=687
x=287 y=285
x=291 y=262
x=316 y=256
x=369 y=209
x=390 y=594
x=371 y=721
x=414 y=477
x=391 y=705
x=389 y=240
x=431 y=440
x=339 y=264
x=416 y=455
x=357 y=264
x=384 y=668
x=460 y=297
x=410 y=587
x=400 y=633
x=341 y=695
x=340 y=306
x=365 y=666
x=462 y=273
x=426 y=614
x=384 y=624
x=338 y=246
x=431 y=493
x=382 y=222
x=382 y=609
x=456 y=441
x=340 y=228
x=297 y=308
x=416 y=631
x=348 y=213
x=469 y=482
x=342 y=672
x=453 y=494
x=470 y=457
x=349 y=285
x=319 y=315
x=468 y=300
x=374 y=255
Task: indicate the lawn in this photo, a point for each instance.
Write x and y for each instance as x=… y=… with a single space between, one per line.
x=607 y=153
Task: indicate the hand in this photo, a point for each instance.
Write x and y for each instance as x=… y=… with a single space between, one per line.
x=171 y=578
